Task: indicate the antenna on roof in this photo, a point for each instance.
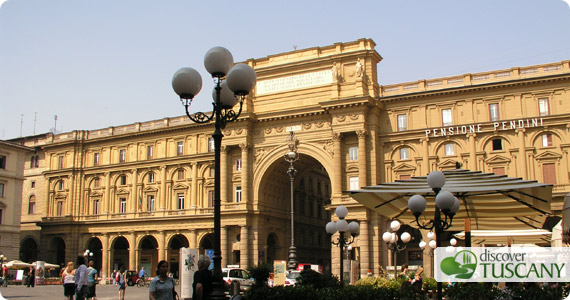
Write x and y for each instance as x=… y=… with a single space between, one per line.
x=35 y=118
x=55 y=124
x=21 y=123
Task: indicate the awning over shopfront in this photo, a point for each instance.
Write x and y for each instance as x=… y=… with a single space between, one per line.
x=491 y=201
x=509 y=237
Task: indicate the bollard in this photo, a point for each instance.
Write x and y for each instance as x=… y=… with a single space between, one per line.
x=235 y=288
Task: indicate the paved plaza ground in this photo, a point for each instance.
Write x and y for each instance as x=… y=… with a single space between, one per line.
x=49 y=292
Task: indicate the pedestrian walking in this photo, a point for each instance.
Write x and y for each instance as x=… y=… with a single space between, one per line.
x=68 y=279
x=92 y=280
x=81 y=274
x=202 y=279
x=31 y=277
x=162 y=287
x=122 y=282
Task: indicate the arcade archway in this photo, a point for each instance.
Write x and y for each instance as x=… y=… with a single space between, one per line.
x=120 y=255
x=176 y=242
x=96 y=247
x=29 y=250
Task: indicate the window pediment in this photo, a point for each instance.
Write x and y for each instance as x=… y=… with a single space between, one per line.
x=547 y=155
x=498 y=159
x=448 y=164
x=179 y=186
x=150 y=189
x=404 y=168
x=122 y=192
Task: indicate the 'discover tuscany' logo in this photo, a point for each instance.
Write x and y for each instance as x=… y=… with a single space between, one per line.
x=462 y=265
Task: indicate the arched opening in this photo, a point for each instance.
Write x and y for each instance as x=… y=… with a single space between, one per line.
x=311 y=192
x=206 y=245
x=96 y=247
x=176 y=242
x=148 y=253
x=29 y=250
x=56 y=251
x=120 y=256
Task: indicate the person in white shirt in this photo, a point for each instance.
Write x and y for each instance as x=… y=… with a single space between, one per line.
x=81 y=274
x=68 y=276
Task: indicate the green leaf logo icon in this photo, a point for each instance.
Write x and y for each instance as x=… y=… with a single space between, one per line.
x=462 y=265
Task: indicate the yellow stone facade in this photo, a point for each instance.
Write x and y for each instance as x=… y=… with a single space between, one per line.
x=134 y=194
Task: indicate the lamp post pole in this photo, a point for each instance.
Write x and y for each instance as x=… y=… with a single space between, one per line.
x=291 y=157
x=444 y=202
x=233 y=83
x=342 y=226
x=391 y=239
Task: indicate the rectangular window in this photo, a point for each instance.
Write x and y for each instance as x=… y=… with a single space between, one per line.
x=494 y=112
x=37 y=161
x=446 y=117
x=60 y=185
x=123 y=180
x=497 y=144
x=353 y=183
x=1 y=216
x=96 y=182
x=543 y=107
x=32 y=161
x=122 y=155
x=238 y=194
x=180 y=201
x=32 y=205
x=149 y=152
x=95 y=210
x=2 y=190
x=546 y=140
x=404 y=153
x=95 y=159
x=238 y=164
x=211 y=145
x=151 y=177
x=549 y=173
x=59 y=208
x=353 y=153
x=405 y=177
x=60 y=164
x=3 y=162
x=180 y=148
x=210 y=198
x=33 y=184
x=180 y=174
x=150 y=203
x=122 y=205
x=449 y=149
x=402 y=122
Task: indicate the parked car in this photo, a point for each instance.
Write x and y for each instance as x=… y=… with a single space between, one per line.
x=291 y=278
x=132 y=277
x=237 y=274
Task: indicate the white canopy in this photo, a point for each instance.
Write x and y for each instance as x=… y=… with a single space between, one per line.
x=46 y=265
x=491 y=201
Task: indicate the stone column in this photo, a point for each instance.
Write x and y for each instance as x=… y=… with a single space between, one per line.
x=133 y=251
x=337 y=171
x=425 y=147
x=107 y=205
x=244 y=172
x=375 y=240
x=105 y=256
x=134 y=192
x=522 y=153
x=161 y=245
x=362 y=159
x=224 y=175
x=194 y=192
x=192 y=239
x=162 y=200
x=224 y=245
x=244 y=247
x=472 y=153
x=363 y=242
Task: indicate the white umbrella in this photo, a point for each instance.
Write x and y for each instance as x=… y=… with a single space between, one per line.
x=17 y=264
x=46 y=265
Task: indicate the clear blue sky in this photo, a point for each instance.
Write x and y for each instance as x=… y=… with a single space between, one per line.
x=105 y=63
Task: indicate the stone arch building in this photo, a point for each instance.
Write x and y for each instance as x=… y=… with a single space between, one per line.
x=144 y=190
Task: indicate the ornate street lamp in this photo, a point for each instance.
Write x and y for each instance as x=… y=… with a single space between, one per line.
x=233 y=83
x=391 y=239
x=291 y=157
x=444 y=202
x=342 y=226
x=88 y=254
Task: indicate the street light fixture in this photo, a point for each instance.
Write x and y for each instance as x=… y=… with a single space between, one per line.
x=291 y=157
x=233 y=83
x=342 y=226
x=391 y=239
x=444 y=202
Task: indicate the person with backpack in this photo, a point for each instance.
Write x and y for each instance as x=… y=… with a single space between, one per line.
x=162 y=287
x=91 y=281
x=122 y=282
